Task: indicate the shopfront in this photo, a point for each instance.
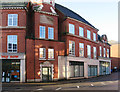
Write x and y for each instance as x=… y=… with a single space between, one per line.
x=104 y=68
x=13 y=67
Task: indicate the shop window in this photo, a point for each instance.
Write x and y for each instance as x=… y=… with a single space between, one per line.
x=81 y=49
x=71 y=29
x=12 y=43
x=42 y=52
x=81 y=32
x=50 y=33
x=12 y=19
x=88 y=34
x=100 y=51
x=71 y=48
x=92 y=70
x=104 y=53
x=42 y=31
x=76 y=69
x=94 y=52
x=89 y=51
x=107 y=53
x=94 y=36
x=50 y=53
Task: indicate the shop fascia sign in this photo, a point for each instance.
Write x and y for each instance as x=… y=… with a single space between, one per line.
x=11 y=56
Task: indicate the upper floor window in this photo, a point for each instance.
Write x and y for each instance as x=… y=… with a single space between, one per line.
x=104 y=53
x=88 y=51
x=42 y=52
x=100 y=51
x=12 y=19
x=42 y=31
x=81 y=32
x=107 y=53
x=12 y=43
x=50 y=33
x=50 y=53
x=71 y=48
x=71 y=29
x=88 y=34
x=94 y=36
x=81 y=49
x=94 y=52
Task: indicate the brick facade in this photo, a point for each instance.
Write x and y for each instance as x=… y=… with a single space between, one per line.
x=29 y=42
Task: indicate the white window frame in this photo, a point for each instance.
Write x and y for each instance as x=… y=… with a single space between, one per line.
x=81 y=46
x=71 y=29
x=42 y=52
x=73 y=49
x=104 y=52
x=12 y=44
x=94 y=52
x=89 y=51
x=11 y=16
x=81 y=31
x=94 y=36
x=108 y=53
x=42 y=30
x=50 y=33
x=50 y=54
x=88 y=34
x=100 y=48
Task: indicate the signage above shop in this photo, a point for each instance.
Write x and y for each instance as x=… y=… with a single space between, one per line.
x=6 y=56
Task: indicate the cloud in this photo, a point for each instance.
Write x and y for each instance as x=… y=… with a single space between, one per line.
x=86 y=1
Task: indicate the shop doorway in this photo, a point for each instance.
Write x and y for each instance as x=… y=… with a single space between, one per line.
x=46 y=73
x=10 y=70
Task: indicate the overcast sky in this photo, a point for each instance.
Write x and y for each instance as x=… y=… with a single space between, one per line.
x=103 y=14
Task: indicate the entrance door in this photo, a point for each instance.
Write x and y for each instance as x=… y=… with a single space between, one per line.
x=10 y=70
x=46 y=74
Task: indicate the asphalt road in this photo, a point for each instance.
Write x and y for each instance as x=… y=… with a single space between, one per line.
x=107 y=82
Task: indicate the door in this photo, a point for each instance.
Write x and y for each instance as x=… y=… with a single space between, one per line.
x=46 y=74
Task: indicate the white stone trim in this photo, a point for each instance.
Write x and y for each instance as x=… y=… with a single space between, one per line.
x=22 y=70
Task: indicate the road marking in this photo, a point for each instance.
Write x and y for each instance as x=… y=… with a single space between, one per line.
x=58 y=88
x=40 y=89
x=78 y=86
x=110 y=82
x=103 y=83
x=92 y=85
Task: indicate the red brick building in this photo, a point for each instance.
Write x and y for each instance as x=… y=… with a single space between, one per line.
x=45 y=42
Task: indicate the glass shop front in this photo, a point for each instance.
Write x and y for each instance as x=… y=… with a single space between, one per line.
x=10 y=70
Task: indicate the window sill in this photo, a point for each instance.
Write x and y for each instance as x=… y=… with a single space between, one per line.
x=72 y=55
x=12 y=52
x=51 y=59
x=42 y=59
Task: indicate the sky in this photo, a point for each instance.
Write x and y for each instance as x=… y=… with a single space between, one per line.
x=103 y=14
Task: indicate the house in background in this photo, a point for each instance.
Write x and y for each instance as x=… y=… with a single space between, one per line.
x=47 y=41
x=115 y=55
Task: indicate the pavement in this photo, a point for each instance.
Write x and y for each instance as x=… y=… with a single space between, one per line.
x=106 y=82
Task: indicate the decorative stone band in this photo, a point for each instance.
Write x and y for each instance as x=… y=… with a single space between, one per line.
x=12 y=8
x=12 y=27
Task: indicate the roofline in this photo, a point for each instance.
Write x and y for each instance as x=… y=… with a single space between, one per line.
x=83 y=23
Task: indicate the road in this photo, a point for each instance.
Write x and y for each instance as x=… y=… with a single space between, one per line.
x=107 y=82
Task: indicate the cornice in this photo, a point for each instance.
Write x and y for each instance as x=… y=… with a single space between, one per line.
x=46 y=13
x=81 y=37
x=82 y=23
